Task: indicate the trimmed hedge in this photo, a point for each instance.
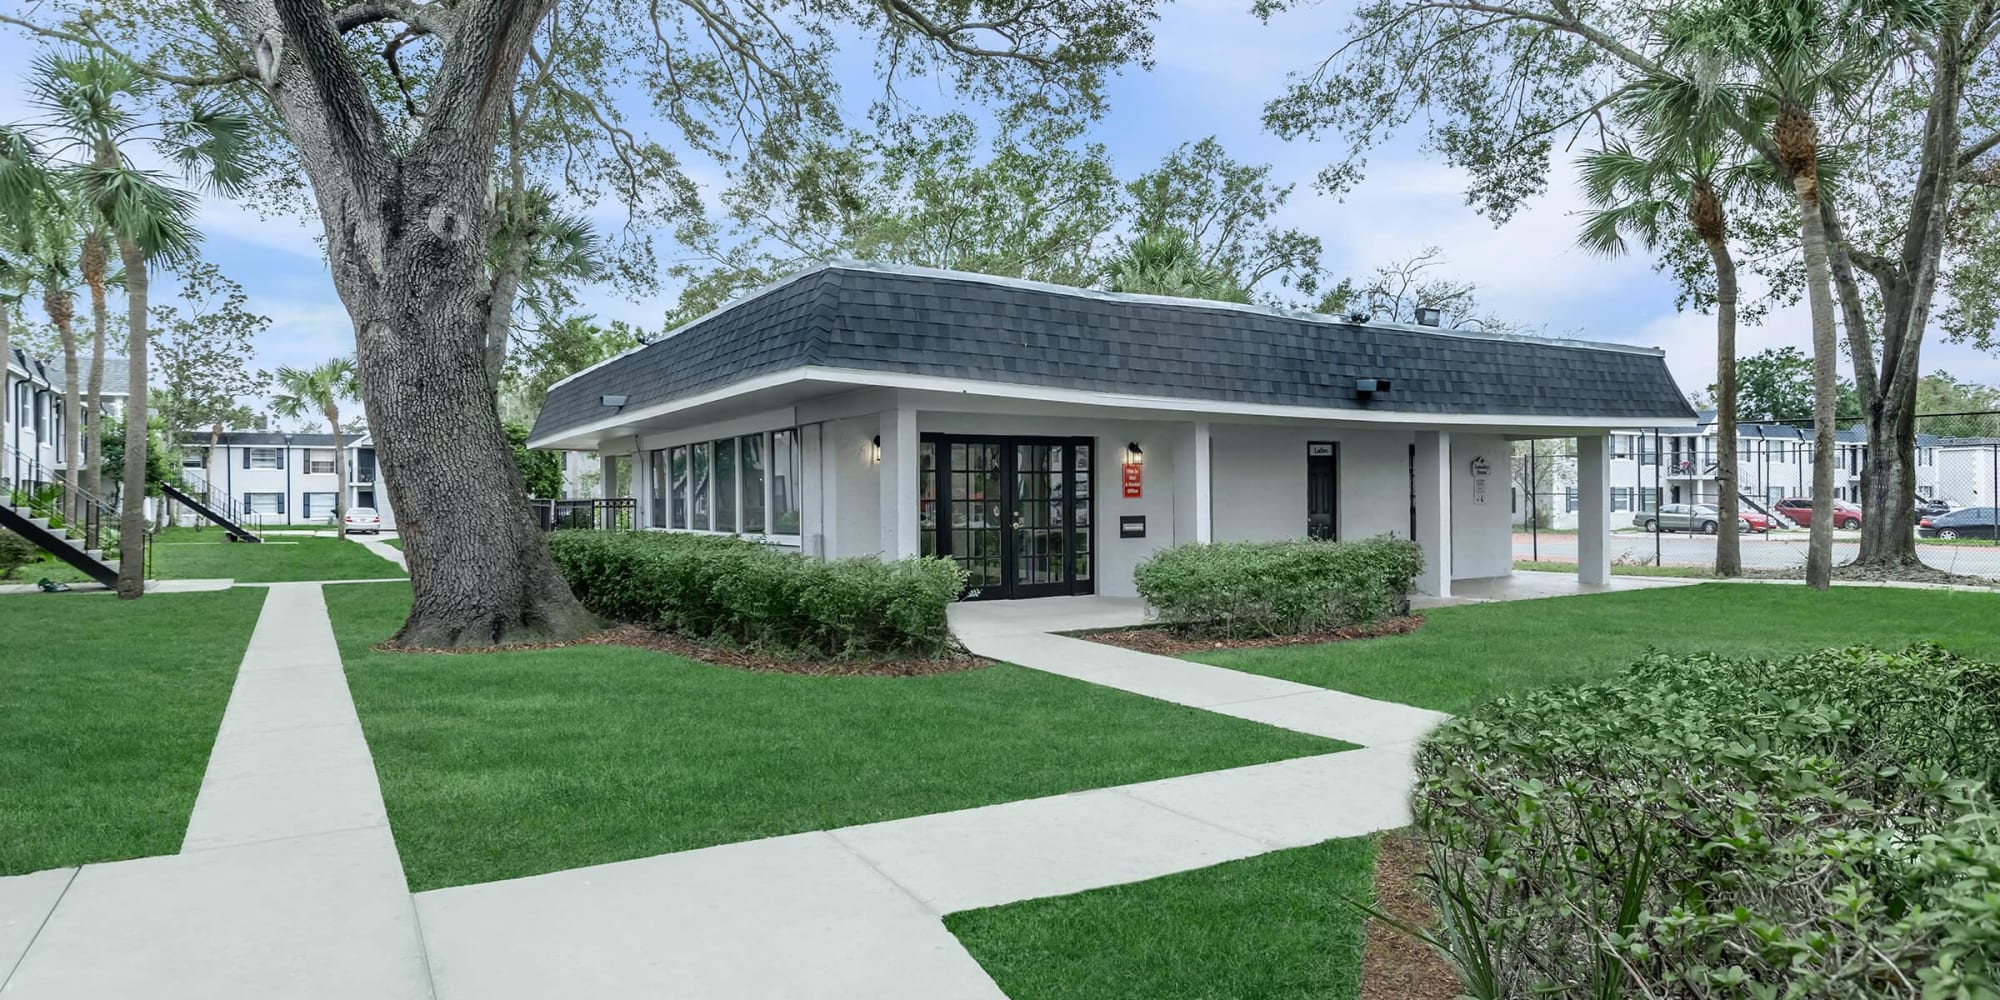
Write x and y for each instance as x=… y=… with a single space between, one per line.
x=721 y=589
x=1254 y=589
x=1712 y=828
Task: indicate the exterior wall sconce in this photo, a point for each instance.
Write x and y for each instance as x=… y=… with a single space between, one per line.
x=1429 y=316
x=875 y=451
x=1133 y=456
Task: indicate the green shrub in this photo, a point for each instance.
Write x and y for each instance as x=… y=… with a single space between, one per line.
x=1706 y=828
x=1250 y=589
x=723 y=589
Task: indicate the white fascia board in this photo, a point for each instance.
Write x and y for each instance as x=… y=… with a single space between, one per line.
x=1082 y=397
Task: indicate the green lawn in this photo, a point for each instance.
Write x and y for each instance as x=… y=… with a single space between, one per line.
x=108 y=709
x=1280 y=926
x=1465 y=655
x=186 y=554
x=506 y=764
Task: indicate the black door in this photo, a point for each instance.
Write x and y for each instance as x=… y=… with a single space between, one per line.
x=1014 y=511
x=1322 y=489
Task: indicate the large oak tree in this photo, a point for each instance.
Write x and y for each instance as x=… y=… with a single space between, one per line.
x=395 y=114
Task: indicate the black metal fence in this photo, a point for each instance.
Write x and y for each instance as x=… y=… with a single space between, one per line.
x=609 y=514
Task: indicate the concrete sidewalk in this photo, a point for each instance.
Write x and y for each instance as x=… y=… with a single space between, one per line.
x=288 y=884
x=380 y=547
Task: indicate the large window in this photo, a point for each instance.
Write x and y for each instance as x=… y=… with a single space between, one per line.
x=698 y=482
x=786 y=480
x=750 y=466
x=677 y=473
x=319 y=505
x=264 y=503
x=319 y=463
x=264 y=458
x=1621 y=498
x=657 y=461
x=725 y=485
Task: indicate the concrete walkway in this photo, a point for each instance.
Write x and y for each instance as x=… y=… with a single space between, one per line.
x=1005 y=630
x=288 y=883
x=379 y=546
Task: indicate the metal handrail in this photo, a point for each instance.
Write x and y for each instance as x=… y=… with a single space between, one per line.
x=96 y=506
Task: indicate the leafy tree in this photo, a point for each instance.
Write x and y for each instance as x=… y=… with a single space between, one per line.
x=540 y=470
x=1395 y=291
x=1171 y=262
x=320 y=390
x=1225 y=207
x=159 y=454
x=1498 y=85
x=22 y=179
x=1673 y=183
x=393 y=114
x=538 y=252
x=1956 y=408
x=1776 y=385
x=565 y=348
x=1032 y=203
x=203 y=350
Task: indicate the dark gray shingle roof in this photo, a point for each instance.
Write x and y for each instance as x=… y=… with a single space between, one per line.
x=117 y=374
x=920 y=322
x=264 y=439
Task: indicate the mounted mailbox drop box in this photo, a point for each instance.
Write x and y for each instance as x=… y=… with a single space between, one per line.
x=1132 y=526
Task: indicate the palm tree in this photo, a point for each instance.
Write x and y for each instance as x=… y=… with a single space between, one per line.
x=90 y=98
x=23 y=179
x=1168 y=262
x=1787 y=61
x=537 y=251
x=319 y=391
x=1675 y=182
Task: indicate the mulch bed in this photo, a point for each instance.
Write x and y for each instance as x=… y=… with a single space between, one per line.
x=1166 y=642
x=741 y=659
x=1394 y=965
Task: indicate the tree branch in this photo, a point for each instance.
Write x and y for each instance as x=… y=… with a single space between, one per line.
x=474 y=85
x=355 y=125
x=947 y=36
x=1973 y=152
x=242 y=72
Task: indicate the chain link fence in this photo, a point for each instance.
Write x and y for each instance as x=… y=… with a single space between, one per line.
x=1664 y=496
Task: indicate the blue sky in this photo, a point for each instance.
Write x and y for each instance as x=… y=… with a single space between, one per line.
x=1216 y=65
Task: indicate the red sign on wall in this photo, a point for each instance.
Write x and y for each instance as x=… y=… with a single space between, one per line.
x=1134 y=482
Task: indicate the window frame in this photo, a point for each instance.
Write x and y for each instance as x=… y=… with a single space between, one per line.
x=276 y=459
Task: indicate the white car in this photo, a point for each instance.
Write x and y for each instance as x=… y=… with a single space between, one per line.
x=361 y=519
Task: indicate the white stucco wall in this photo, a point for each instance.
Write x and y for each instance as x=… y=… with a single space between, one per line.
x=854 y=520
x=1482 y=509
x=1260 y=481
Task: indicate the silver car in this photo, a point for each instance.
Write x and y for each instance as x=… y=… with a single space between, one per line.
x=1682 y=517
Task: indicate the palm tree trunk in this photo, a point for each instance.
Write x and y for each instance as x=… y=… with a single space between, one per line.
x=1803 y=137
x=1728 y=545
x=61 y=311
x=93 y=406
x=132 y=512
x=339 y=473
x=11 y=472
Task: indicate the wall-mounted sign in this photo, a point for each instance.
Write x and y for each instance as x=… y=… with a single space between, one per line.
x=1319 y=448
x=1132 y=526
x=1134 y=481
x=1480 y=469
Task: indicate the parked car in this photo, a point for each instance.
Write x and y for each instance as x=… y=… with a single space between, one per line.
x=1696 y=517
x=1966 y=522
x=360 y=519
x=1934 y=506
x=1846 y=516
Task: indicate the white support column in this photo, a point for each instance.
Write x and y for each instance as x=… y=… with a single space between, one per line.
x=899 y=483
x=1432 y=482
x=1593 y=509
x=1194 y=507
x=816 y=503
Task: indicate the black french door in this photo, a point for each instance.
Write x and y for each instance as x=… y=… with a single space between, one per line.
x=1014 y=511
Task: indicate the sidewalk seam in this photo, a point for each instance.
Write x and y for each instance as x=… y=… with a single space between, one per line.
x=39 y=928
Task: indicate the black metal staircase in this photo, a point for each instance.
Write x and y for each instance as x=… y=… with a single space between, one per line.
x=222 y=512
x=1760 y=507
x=38 y=516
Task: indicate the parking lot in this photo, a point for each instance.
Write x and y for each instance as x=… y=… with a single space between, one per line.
x=1778 y=550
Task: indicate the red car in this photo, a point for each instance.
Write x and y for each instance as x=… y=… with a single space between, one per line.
x=1846 y=516
x=1751 y=520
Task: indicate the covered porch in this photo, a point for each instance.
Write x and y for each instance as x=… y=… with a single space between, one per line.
x=1058 y=498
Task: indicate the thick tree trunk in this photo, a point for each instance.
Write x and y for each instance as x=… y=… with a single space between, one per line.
x=406 y=224
x=132 y=510
x=1728 y=545
x=478 y=561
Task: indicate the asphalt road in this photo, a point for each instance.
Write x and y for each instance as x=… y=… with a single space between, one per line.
x=1774 y=551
